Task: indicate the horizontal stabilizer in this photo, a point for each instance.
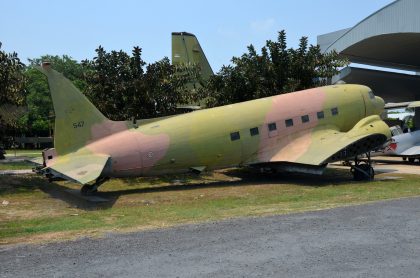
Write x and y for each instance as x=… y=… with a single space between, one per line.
x=80 y=168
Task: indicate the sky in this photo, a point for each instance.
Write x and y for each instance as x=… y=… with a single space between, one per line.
x=223 y=27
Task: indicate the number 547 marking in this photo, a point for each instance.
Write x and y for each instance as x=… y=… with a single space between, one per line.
x=78 y=124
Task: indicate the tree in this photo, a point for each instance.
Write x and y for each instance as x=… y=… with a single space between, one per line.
x=12 y=93
x=276 y=70
x=12 y=80
x=121 y=89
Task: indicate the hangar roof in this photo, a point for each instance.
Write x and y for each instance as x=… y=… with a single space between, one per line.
x=389 y=37
x=391 y=86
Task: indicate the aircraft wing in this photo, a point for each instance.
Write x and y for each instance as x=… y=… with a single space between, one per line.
x=80 y=168
x=411 y=104
x=414 y=150
x=326 y=144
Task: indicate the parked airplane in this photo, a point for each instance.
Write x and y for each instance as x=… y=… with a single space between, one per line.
x=299 y=132
x=405 y=145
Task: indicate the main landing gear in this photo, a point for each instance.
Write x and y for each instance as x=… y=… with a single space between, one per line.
x=362 y=170
x=90 y=189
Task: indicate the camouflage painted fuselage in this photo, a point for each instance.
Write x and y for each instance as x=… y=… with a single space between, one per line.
x=308 y=128
x=203 y=138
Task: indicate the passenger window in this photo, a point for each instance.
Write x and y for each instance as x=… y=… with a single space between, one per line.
x=235 y=136
x=305 y=119
x=289 y=122
x=334 y=111
x=254 y=131
x=320 y=115
x=272 y=126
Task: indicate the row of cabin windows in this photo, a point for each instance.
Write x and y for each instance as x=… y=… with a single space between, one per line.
x=236 y=136
x=289 y=122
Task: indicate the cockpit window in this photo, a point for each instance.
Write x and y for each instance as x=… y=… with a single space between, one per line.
x=371 y=95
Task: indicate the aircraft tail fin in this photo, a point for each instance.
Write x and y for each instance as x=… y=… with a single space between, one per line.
x=186 y=49
x=74 y=113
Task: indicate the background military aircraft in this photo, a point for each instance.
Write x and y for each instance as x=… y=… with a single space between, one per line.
x=186 y=50
x=301 y=132
x=405 y=145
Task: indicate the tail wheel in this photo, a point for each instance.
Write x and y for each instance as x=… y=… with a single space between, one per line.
x=88 y=189
x=91 y=189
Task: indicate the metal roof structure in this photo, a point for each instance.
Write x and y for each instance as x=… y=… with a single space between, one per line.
x=390 y=37
x=391 y=86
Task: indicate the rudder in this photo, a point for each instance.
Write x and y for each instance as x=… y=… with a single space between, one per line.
x=74 y=113
x=186 y=49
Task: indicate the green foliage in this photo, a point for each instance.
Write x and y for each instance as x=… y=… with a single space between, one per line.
x=276 y=70
x=11 y=78
x=64 y=64
x=12 y=82
x=121 y=89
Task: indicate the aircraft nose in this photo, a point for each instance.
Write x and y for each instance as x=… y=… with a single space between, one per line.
x=380 y=102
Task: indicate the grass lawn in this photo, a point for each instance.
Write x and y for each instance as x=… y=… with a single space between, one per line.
x=33 y=210
x=26 y=153
x=21 y=165
x=15 y=159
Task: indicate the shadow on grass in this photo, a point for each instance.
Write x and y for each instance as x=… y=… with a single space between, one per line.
x=235 y=177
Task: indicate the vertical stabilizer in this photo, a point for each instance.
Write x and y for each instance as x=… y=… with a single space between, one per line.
x=74 y=113
x=186 y=49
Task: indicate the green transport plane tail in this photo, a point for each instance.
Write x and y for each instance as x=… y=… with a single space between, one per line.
x=187 y=50
x=75 y=118
x=74 y=113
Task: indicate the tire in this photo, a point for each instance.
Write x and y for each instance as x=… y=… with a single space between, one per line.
x=359 y=173
x=88 y=190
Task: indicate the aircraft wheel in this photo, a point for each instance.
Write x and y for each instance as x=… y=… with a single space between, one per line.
x=404 y=158
x=363 y=172
x=411 y=160
x=88 y=189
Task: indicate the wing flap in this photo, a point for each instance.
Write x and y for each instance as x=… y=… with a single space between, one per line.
x=79 y=168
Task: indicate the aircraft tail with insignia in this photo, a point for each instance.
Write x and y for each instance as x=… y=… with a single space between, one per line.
x=187 y=50
x=77 y=123
x=73 y=112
